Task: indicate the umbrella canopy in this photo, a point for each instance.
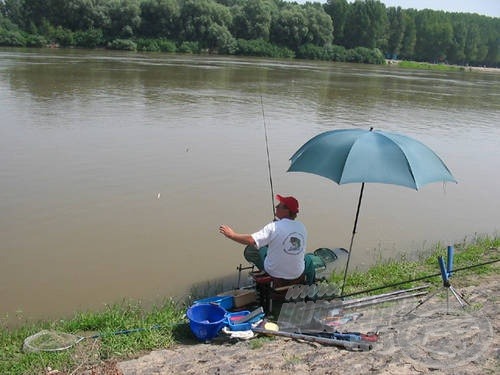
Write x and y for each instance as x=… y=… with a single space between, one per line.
x=358 y=155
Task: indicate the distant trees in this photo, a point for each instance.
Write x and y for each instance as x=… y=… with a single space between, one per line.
x=363 y=30
x=289 y=27
x=396 y=31
x=319 y=26
x=159 y=18
x=409 y=38
x=337 y=10
x=366 y=25
x=252 y=19
x=426 y=35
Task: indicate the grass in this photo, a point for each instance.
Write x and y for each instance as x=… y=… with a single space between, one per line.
x=259 y=342
x=163 y=325
x=428 y=66
x=160 y=326
x=392 y=271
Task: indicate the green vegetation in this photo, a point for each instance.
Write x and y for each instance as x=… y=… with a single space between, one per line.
x=427 y=66
x=259 y=342
x=338 y=30
x=394 y=271
x=164 y=325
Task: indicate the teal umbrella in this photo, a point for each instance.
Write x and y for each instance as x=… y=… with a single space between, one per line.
x=361 y=156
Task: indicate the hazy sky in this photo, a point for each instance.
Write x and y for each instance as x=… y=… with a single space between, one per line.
x=487 y=7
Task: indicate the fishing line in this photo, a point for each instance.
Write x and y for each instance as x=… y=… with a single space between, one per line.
x=267 y=151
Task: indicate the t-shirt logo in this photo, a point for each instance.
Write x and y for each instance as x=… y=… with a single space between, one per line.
x=293 y=244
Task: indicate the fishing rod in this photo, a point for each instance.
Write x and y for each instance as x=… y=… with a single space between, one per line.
x=361 y=302
x=382 y=296
x=268 y=157
x=417 y=279
x=348 y=345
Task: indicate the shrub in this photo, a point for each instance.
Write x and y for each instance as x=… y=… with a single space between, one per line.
x=315 y=52
x=155 y=45
x=6 y=24
x=376 y=57
x=12 y=38
x=365 y=55
x=311 y=52
x=337 y=53
x=328 y=52
x=166 y=45
x=189 y=47
x=62 y=36
x=89 y=38
x=221 y=40
x=259 y=47
x=147 y=45
x=36 y=41
x=123 y=45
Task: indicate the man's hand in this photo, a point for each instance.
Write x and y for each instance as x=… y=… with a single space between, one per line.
x=226 y=231
x=244 y=239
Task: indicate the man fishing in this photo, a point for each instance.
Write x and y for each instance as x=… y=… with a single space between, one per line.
x=279 y=247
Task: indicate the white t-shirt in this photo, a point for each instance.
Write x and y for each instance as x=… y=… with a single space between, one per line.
x=286 y=240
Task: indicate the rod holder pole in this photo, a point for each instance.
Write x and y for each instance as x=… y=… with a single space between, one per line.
x=449 y=266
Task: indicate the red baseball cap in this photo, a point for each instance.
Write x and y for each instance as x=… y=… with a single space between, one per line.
x=290 y=202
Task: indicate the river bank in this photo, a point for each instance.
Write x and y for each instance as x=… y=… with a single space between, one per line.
x=438 y=337
x=430 y=340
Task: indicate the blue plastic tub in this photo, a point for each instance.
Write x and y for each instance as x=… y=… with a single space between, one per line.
x=206 y=320
x=234 y=325
x=226 y=302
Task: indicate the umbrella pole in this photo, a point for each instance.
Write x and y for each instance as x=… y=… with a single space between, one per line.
x=352 y=237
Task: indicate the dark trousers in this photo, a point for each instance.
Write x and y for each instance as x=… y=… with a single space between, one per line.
x=256 y=256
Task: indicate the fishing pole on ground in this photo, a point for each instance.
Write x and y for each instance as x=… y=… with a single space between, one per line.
x=347 y=336
x=348 y=345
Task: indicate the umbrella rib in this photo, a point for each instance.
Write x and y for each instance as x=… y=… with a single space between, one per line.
x=410 y=169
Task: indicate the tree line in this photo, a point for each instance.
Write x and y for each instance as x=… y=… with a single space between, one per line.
x=361 y=31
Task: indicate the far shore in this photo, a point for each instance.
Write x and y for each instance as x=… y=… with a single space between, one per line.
x=424 y=65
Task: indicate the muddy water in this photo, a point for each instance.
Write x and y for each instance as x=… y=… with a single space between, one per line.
x=117 y=169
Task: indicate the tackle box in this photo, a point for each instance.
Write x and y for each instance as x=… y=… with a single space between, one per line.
x=241 y=297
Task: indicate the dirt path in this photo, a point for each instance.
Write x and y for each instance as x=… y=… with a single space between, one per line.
x=437 y=338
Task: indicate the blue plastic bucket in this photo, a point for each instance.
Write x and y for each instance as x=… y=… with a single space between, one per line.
x=206 y=320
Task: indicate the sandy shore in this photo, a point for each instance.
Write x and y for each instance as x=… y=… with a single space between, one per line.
x=437 y=338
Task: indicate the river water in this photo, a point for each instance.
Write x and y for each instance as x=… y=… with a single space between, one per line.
x=117 y=168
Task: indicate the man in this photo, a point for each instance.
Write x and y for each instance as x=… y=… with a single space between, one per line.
x=279 y=247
